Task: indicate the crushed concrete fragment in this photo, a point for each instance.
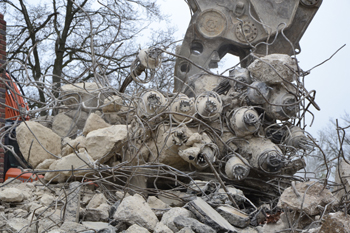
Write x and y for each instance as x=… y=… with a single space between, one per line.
x=234 y=216
x=237 y=194
x=94 y=122
x=50 y=142
x=97 y=226
x=156 y=203
x=102 y=143
x=169 y=217
x=100 y=213
x=64 y=126
x=158 y=206
x=79 y=117
x=96 y=201
x=198 y=227
x=312 y=195
x=71 y=145
x=336 y=222
x=11 y=195
x=162 y=228
x=73 y=202
x=206 y=214
x=112 y=104
x=175 y=199
x=135 y=210
x=274 y=69
x=186 y=230
x=136 y=228
x=46 y=199
x=45 y=164
x=82 y=93
x=72 y=227
x=18 y=224
x=81 y=161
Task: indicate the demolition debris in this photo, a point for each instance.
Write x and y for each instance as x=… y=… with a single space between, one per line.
x=219 y=154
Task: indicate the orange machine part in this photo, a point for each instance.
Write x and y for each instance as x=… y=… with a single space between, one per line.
x=25 y=177
x=13 y=101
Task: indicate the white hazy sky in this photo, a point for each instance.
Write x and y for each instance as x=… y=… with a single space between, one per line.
x=329 y=30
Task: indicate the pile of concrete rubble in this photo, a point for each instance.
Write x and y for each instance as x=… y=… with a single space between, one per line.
x=219 y=157
x=33 y=207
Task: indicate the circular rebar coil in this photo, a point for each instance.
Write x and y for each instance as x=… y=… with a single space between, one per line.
x=245 y=121
x=209 y=105
x=242 y=75
x=271 y=161
x=185 y=105
x=236 y=169
x=151 y=102
x=258 y=93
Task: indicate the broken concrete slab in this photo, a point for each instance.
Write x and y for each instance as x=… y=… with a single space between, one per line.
x=64 y=126
x=274 y=69
x=20 y=213
x=97 y=200
x=162 y=228
x=198 y=227
x=156 y=203
x=46 y=223
x=44 y=165
x=46 y=199
x=73 y=203
x=94 y=122
x=237 y=194
x=72 y=227
x=18 y=224
x=78 y=116
x=134 y=209
x=97 y=226
x=100 y=213
x=45 y=121
x=307 y=196
x=280 y=225
x=136 y=228
x=169 y=217
x=102 y=143
x=234 y=216
x=336 y=222
x=69 y=145
x=186 y=230
x=112 y=104
x=159 y=207
x=85 y=93
x=206 y=214
x=81 y=160
x=29 y=144
x=113 y=118
x=11 y=195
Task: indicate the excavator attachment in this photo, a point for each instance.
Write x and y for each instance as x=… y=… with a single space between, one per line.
x=239 y=27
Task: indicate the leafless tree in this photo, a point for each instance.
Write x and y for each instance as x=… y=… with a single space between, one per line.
x=65 y=41
x=333 y=143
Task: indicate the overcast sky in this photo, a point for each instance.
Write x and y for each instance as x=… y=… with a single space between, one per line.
x=328 y=31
